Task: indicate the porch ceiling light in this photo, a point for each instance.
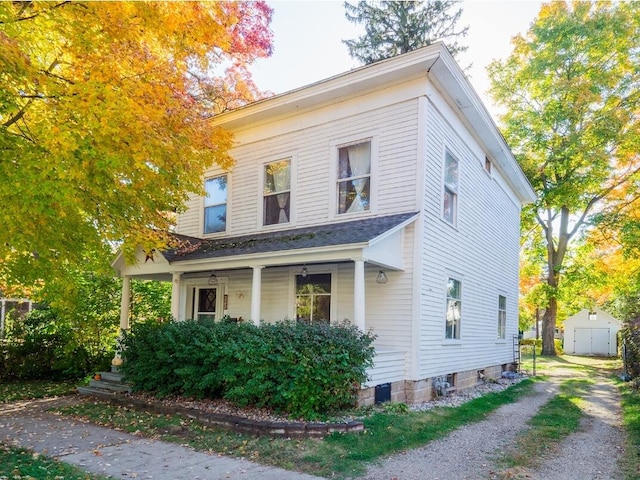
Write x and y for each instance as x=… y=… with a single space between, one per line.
x=382 y=278
x=304 y=272
x=213 y=280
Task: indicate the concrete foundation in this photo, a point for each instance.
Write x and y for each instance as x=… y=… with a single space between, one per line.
x=419 y=391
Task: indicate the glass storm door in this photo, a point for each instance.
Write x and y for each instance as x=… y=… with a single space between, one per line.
x=205 y=303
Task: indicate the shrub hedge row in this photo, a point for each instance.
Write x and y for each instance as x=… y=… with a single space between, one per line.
x=304 y=370
x=630 y=335
x=41 y=346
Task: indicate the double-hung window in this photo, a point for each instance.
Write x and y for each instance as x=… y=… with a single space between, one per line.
x=215 y=204
x=313 y=298
x=277 y=192
x=450 y=194
x=354 y=178
x=454 y=309
x=502 y=316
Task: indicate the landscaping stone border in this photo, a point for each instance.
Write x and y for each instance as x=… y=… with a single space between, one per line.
x=240 y=424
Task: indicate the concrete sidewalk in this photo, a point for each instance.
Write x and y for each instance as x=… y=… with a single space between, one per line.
x=118 y=454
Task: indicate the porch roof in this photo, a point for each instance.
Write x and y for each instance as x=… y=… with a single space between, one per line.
x=317 y=236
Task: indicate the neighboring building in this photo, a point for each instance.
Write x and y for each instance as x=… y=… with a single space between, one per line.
x=591 y=332
x=385 y=196
x=558 y=334
x=13 y=306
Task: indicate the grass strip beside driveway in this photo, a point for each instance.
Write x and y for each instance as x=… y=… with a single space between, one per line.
x=337 y=455
x=21 y=464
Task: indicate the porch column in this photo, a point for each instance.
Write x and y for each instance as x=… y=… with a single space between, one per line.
x=256 y=288
x=175 y=295
x=358 y=294
x=125 y=302
x=125 y=307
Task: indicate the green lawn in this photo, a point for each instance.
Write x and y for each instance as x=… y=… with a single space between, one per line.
x=14 y=391
x=335 y=456
x=21 y=464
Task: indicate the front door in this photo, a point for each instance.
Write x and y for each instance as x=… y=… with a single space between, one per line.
x=205 y=303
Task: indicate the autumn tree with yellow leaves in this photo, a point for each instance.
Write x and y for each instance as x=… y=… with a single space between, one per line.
x=104 y=120
x=571 y=89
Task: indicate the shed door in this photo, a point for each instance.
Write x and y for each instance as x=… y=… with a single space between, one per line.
x=591 y=341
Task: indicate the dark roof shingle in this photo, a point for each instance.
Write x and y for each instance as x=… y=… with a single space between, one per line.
x=333 y=234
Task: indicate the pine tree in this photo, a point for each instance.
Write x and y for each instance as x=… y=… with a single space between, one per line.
x=395 y=27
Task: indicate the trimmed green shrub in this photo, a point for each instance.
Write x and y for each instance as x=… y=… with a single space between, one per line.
x=305 y=370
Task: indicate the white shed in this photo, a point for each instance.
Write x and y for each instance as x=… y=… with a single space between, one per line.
x=592 y=332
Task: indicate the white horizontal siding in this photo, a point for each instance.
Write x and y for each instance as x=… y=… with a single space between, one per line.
x=389 y=366
x=394 y=128
x=481 y=251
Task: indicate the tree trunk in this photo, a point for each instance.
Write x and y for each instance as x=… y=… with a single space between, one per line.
x=549 y=327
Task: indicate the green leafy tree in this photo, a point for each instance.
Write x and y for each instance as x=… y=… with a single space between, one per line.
x=571 y=89
x=104 y=129
x=393 y=27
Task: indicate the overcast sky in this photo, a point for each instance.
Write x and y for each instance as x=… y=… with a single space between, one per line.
x=308 y=46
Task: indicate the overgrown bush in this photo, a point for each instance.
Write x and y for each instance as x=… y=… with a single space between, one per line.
x=39 y=346
x=630 y=336
x=304 y=370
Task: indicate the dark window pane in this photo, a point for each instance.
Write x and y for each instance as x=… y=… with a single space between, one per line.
x=303 y=308
x=276 y=209
x=207 y=300
x=353 y=195
x=215 y=219
x=322 y=309
x=316 y=283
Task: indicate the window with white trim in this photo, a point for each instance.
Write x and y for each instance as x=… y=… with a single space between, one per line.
x=277 y=192
x=454 y=309
x=354 y=178
x=215 y=204
x=313 y=298
x=450 y=193
x=502 y=317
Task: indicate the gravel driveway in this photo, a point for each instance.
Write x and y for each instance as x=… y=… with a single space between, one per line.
x=471 y=451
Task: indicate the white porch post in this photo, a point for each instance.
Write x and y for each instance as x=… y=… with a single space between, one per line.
x=125 y=302
x=175 y=295
x=125 y=307
x=256 y=288
x=358 y=294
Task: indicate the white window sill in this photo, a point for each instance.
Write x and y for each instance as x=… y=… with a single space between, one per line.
x=451 y=343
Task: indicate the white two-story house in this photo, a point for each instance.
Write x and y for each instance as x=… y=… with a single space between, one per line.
x=385 y=197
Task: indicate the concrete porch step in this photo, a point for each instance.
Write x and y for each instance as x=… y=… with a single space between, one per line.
x=97 y=392
x=110 y=385
x=112 y=376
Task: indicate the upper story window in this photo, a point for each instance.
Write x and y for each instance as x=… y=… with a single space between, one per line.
x=502 y=316
x=454 y=309
x=277 y=192
x=487 y=164
x=215 y=204
x=450 y=195
x=354 y=178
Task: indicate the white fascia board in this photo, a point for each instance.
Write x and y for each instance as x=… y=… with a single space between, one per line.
x=338 y=253
x=454 y=84
x=143 y=267
x=393 y=230
x=350 y=84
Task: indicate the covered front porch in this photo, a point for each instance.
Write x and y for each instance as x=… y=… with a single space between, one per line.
x=352 y=271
